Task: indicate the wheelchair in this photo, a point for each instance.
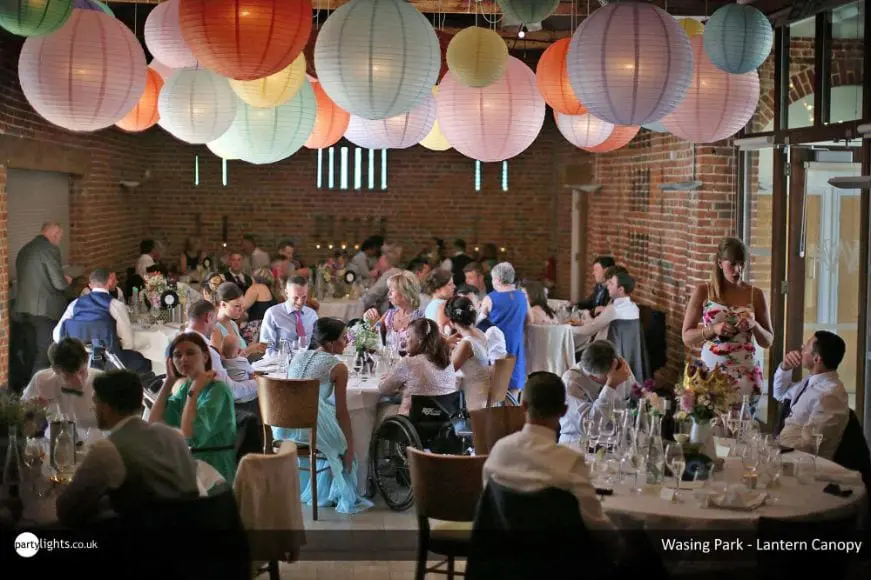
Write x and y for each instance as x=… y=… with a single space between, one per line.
x=439 y=424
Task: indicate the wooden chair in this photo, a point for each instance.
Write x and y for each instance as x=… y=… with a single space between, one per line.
x=446 y=488
x=491 y=424
x=292 y=404
x=499 y=380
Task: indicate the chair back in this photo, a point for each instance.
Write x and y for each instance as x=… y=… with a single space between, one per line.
x=493 y=423
x=655 y=330
x=288 y=403
x=500 y=379
x=446 y=487
x=852 y=451
x=628 y=340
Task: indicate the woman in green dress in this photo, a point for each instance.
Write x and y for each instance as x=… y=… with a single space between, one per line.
x=200 y=406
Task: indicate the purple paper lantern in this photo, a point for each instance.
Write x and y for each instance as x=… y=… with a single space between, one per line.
x=630 y=63
x=583 y=130
x=358 y=134
x=406 y=130
x=163 y=37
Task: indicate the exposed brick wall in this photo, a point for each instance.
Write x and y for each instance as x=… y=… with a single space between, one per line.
x=4 y=282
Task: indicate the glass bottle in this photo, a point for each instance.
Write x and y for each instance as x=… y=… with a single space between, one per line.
x=668 y=421
x=12 y=471
x=745 y=418
x=642 y=420
x=655 y=453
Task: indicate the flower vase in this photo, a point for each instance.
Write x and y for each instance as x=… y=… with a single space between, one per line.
x=702 y=435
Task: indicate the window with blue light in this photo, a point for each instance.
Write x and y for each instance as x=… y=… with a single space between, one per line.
x=357 y=169
x=477 y=175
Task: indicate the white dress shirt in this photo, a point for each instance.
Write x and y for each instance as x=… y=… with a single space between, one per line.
x=49 y=386
x=118 y=310
x=243 y=391
x=144 y=262
x=818 y=401
x=496 y=348
x=530 y=460
x=588 y=398
x=620 y=309
x=118 y=293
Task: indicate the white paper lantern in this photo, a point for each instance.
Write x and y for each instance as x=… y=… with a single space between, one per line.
x=583 y=130
x=164 y=71
x=196 y=105
x=406 y=130
x=630 y=63
x=163 y=36
x=738 y=38
x=377 y=58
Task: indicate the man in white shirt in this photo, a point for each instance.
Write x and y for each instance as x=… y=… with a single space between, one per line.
x=620 y=286
x=137 y=462
x=255 y=257
x=600 y=383
x=819 y=403
x=364 y=260
x=421 y=268
x=111 y=286
x=67 y=387
x=99 y=307
x=531 y=460
x=150 y=254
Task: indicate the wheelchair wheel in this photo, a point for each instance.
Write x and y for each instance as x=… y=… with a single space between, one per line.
x=389 y=462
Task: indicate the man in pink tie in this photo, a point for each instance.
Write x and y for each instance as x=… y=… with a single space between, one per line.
x=291 y=321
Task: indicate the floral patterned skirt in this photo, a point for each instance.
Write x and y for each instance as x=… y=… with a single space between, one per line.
x=736 y=358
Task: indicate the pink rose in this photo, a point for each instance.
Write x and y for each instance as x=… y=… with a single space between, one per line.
x=687 y=401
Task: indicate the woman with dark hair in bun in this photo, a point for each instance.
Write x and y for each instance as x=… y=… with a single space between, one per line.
x=470 y=356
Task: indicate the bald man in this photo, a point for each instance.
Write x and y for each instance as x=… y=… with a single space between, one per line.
x=41 y=294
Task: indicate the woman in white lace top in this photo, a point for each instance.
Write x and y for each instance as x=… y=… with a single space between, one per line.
x=470 y=356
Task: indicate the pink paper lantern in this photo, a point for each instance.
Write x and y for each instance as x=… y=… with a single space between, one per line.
x=85 y=76
x=164 y=71
x=583 y=130
x=495 y=122
x=358 y=134
x=406 y=130
x=163 y=37
x=717 y=105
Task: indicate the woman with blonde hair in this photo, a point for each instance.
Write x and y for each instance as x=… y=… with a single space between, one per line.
x=728 y=318
x=404 y=295
x=259 y=298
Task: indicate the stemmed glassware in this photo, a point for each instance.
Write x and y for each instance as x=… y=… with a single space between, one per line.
x=634 y=463
x=674 y=457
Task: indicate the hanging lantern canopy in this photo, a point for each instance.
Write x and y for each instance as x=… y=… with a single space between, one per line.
x=196 y=105
x=619 y=138
x=583 y=130
x=717 y=104
x=144 y=115
x=528 y=11
x=435 y=139
x=164 y=71
x=34 y=17
x=493 y=123
x=630 y=63
x=358 y=134
x=85 y=76
x=163 y=36
x=330 y=122
x=738 y=38
x=275 y=89
x=691 y=26
x=406 y=130
x=477 y=56
x=377 y=58
x=245 y=39
x=553 y=79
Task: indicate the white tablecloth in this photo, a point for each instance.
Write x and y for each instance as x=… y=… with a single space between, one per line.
x=342 y=309
x=549 y=347
x=153 y=342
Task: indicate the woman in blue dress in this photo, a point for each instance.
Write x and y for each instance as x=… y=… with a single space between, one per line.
x=337 y=486
x=506 y=307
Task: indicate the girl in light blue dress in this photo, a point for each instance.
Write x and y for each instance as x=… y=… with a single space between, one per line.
x=337 y=486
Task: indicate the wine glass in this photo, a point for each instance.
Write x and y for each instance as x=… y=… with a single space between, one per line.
x=283 y=356
x=817 y=435
x=637 y=462
x=607 y=430
x=674 y=457
x=750 y=459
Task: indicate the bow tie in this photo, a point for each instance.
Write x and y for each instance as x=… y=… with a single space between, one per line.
x=71 y=392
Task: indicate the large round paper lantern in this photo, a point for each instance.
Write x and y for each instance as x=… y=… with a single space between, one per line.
x=620 y=137
x=406 y=130
x=246 y=39
x=717 y=104
x=163 y=36
x=583 y=130
x=274 y=90
x=630 y=63
x=738 y=38
x=553 y=79
x=435 y=139
x=691 y=26
x=477 y=56
x=358 y=134
x=93 y=5
x=377 y=58
x=226 y=146
x=164 y=71
x=196 y=105
x=528 y=11
x=34 y=17
x=493 y=123
x=85 y=76
x=331 y=121
x=144 y=115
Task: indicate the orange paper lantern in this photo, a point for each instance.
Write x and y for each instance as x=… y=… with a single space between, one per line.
x=553 y=80
x=245 y=39
x=331 y=121
x=144 y=114
x=620 y=137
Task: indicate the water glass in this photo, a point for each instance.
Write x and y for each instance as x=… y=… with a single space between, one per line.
x=676 y=462
x=805 y=469
x=283 y=356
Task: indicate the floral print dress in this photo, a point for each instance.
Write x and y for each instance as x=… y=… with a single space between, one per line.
x=737 y=355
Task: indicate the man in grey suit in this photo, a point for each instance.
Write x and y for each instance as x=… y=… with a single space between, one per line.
x=136 y=463
x=40 y=299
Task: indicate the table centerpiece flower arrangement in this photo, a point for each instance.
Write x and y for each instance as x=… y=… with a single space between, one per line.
x=26 y=417
x=703 y=395
x=365 y=339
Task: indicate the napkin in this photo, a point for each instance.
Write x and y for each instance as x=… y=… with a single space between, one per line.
x=266 y=364
x=838 y=474
x=738 y=497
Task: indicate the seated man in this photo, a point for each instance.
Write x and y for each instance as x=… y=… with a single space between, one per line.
x=420 y=267
x=67 y=388
x=597 y=385
x=137 y=462
x=597 y=301
x=111 y=287
x=388 y=265
x=236 y=274
x=98 y=314
x=531 y=460
x=289 y=320
x=817 y=404
x=620 y=286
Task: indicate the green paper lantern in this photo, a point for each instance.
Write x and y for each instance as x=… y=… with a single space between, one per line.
x=34 y=17
x=528 y=11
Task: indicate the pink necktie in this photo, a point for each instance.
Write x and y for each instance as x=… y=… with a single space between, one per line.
x=300 y=329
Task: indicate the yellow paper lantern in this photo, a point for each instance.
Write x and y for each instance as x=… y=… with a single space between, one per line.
x=274 y=90
x=435 y=140
x=691 y=26
x=477 y=56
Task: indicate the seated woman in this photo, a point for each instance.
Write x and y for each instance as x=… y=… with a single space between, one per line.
x=338 y=485
x=403 y=291
x=200 y=406
x=440 y=285
x=211 y=282
x=539 y=312
x=470 y=356
x=257 y=300
x=230 y=309
x=427 y=370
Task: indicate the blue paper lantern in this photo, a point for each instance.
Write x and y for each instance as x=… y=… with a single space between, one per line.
x=738 y=38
